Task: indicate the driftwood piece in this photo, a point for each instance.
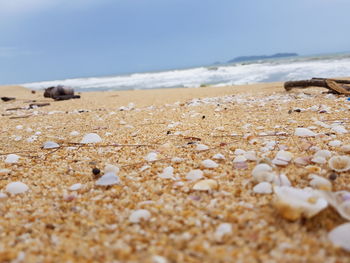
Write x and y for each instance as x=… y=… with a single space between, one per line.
x=335 y=86
x=67 y=97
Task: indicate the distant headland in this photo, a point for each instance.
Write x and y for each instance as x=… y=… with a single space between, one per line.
x=250 y=58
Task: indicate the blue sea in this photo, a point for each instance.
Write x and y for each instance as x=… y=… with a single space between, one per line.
x=294 y=68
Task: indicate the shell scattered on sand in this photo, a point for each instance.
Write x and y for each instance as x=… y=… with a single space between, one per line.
x=91 y=138
x=263 y=173
x=282 y=158
x=139 y=215
x=340 y=236
x=194 y=175
x=75 y=187
x=152 y=156
x=210 y=164
x=16 y=188
x=222 y=230
x=339 y=163
x=304 y=132
x=108 y=179
x=206 y=185
x=12 y=158
x=263 y=188
x=50 y=145
x=168 y=173
x=320 y=183
x=294 y=203
x=201 y=147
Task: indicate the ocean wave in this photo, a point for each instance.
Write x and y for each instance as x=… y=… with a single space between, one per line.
x=235 y=74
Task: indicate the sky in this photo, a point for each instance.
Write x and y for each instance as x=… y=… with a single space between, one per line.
x=59 y=39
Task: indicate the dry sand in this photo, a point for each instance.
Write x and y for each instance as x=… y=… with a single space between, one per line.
x=50 y=223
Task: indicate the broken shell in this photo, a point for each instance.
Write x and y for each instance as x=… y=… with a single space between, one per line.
x=109 y=168
x=239 y=152
x=293 y=203
x=206 y=185
x=340 y=236
x=281 y=180
x=263 y=188
x=345 y=148
x=339 y=163
x=303 y=132
x=320 y=183
x=250 y=156
x=323 y=153
x=239 y=159
x=340 y=201
x=263 y=173
x=194 y=175
x=201 y=147
x=302 y=161
x=335 y=143
x=108 y=179
x=339 y=129
x=319 y=160
x=282 y=158
x=219 y=156
x=209 y=164
x=168 y=173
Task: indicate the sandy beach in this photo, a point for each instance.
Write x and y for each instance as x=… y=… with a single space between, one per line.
x=182 y=195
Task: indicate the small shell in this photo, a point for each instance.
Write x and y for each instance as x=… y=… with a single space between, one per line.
x=12 y=158
x=303 y=132
x=239 y=152
x=209 y=164
x=250 y=156
x=323 y=153
x=206 y=185
x=239 y=159
x=138 y=215
x=339 y=129
x=109 y=168
x=345 y=148
x=222 y=230
x=340 y=201
x=263 y=188
x=335 y=143
x=152 y=156
x=50 y=145
x=281 y=180
x=339 y=163
x=319 y=160
x=219 y=156
x=16 y=188
x=91 y=138
x=201 y=147
x=282 y=158
x=340 y=236
x=293 y=203
x=263 y=173
x=302 y=161
x=320 y=183
x=194 y=175
x=108 y=179
x=168 y=173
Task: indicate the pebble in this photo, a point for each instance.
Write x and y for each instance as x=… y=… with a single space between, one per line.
x=206 y=185
x=96 y=171
x=12 y=158
x=50 y=145
x=75 y=187
x=91 y=138
x=209 y=164
x=138 y=215
x=263 y=188
x=16 y=188
x=108 y=179
x=304 y=132
x=194 y=175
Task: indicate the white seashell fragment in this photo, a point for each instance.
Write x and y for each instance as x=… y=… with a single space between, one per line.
x=138 y=215
x=16 y=188
x=159 y=259
x=339 y=129
x=50 y=145
x=206 y=185
x=319 y=160
x=304 y=132
x=219 y=156
x=3 y=195
x=201 y=147
x=323 y=153
x=293 y=203
x=340 y=236
x=340 y=201
x=335 y=143
x=345 y=148
x=239 y=159
x=239 y=152
x=263 y=173
x=339 y=163
x=109 y=168
x=194 y=175
x=209 y=164
x=222 y=230
x=151 y=157
x=168 y=173
x=91 y=138
x=282 y=158
x=177 y=160
x=320 y=183
x=251 y=156
x=302 y=161
x=281 y=180
x=263 y=188
x=12 y=158
x=74 y=133
x=108 y=179
x=75 y=187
